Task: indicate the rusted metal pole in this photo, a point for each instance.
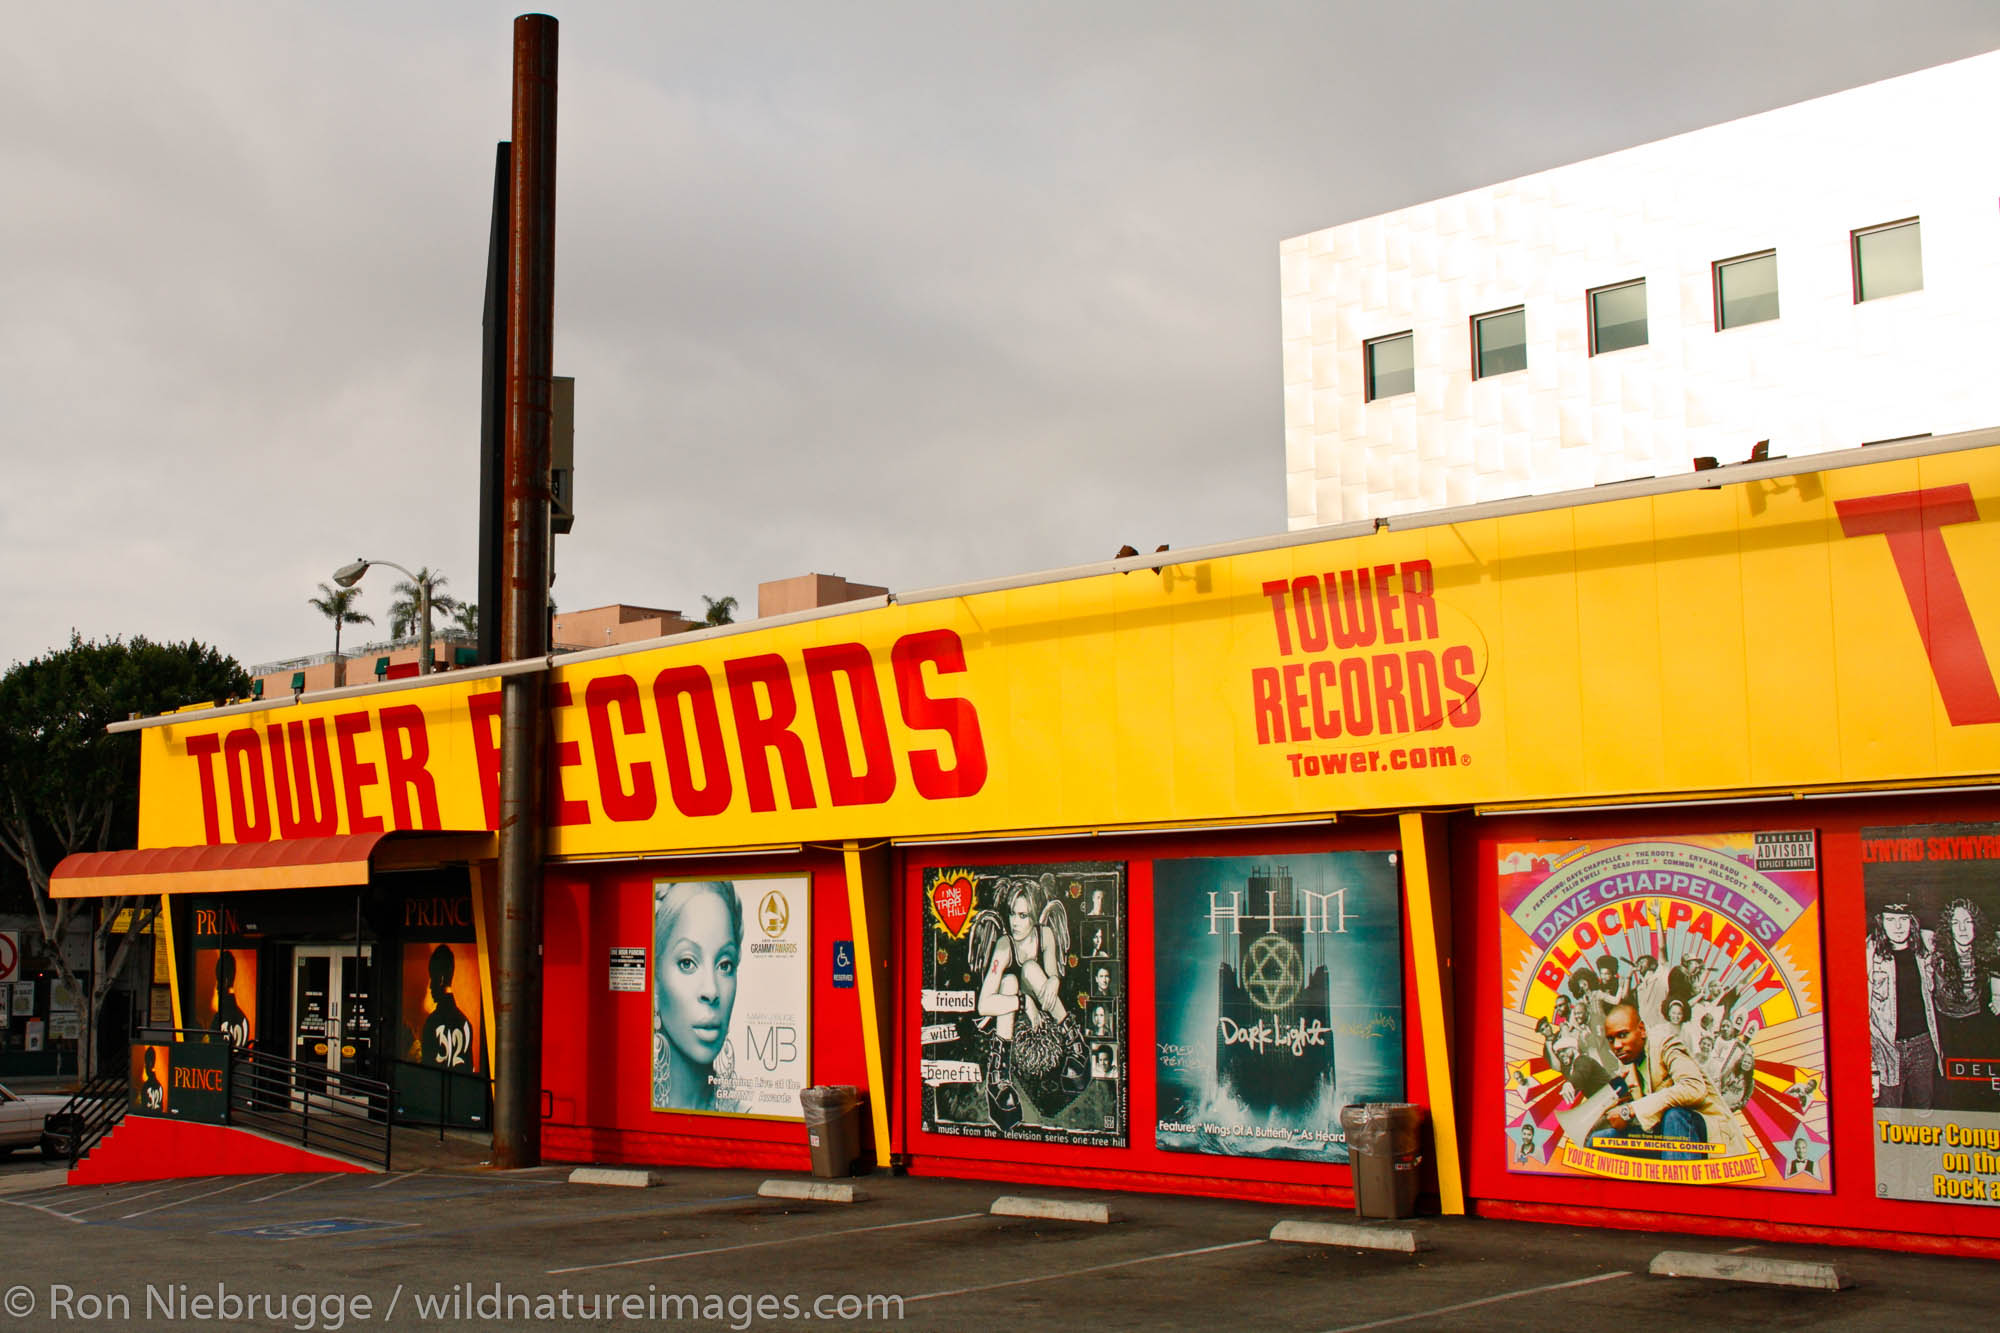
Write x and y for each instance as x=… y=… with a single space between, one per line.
x=531 y=245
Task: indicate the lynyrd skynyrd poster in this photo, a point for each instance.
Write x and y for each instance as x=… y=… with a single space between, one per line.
x=1024 y=1018
x=1933 y=895
x=1279 y=989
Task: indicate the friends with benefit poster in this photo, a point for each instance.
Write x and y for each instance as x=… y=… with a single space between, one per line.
x=1663 y=1010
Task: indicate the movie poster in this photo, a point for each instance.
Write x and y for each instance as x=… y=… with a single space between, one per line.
x=1933 y=895
x=225 y=992
x=731 y=1018
x=443 y=1016
x=1663 y=1018
x=1024 y=1016
x=1278 y=982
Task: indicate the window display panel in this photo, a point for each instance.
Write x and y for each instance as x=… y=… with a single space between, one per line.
x=1278 y=986
x=1933 y=900
x=1023 y=1003
x=1662 y=1010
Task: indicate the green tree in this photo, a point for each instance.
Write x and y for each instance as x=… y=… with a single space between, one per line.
x=66 y=785
x=403 y=612
x=466 y=619
x=721 y=610
x=337 y=605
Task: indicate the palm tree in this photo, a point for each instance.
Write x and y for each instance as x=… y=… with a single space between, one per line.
x=466 y=619
x=409 y=597
x=337 y=605
x=721 y=610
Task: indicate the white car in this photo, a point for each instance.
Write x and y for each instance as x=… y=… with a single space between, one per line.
x=21 y=1117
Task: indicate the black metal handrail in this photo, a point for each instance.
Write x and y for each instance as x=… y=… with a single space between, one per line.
x=469 y=1107
x=311 y=1105
x=158 y=1036
x=92 y=1111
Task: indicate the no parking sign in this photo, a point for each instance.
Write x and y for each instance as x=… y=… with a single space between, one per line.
x=10 y=955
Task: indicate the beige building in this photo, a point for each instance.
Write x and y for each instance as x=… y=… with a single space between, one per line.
x=806 y=591
x=573 y=631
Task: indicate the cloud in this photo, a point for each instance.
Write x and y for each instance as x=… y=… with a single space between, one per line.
x=904 y=292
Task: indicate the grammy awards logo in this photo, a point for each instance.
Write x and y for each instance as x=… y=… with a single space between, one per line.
x=774 y=914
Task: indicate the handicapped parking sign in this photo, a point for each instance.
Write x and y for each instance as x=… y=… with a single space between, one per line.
x=843 y=964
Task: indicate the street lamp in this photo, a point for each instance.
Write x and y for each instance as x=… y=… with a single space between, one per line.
x=349 y=575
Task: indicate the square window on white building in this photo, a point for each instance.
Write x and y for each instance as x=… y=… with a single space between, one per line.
x=1618 y=317
x=1499 y=342
x=1888 y=260
x=1746 y=290
x=1392 y=365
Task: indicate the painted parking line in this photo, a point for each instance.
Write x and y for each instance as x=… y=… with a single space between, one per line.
x=175 y=1203
x=123 y=1199
x=762 y=1244
x=292 y=1189
x=515 y=1221
x=1473 y=1305
x=407 y=1175
x=1079 y=1272
x=16 y=1203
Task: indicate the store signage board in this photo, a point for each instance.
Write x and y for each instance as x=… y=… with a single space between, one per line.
x=1552 y=655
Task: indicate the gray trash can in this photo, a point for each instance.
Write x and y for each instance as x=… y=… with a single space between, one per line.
x=833 y=1128
x=1384 y=1148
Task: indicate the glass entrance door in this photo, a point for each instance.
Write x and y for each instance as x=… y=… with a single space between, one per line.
x=333 y=1024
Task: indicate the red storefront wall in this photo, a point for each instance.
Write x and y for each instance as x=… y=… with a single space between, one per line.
x=597 y=1044
x=1851 y=1214
x=1140 y=1166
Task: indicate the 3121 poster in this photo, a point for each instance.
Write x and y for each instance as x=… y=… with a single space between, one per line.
x=1024 y=977
x=1279 y=988
x=1662 y=1016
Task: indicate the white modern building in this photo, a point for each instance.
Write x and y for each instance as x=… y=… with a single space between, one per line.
x=1819 y=277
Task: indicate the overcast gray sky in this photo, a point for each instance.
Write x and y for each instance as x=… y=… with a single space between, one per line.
x=906 y=292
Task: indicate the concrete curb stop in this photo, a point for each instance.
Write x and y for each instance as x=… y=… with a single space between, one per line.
x=1052 y=1210
x=1745 y=1268
x=617 y=1175
x=1396 y=1240
x=816 y=1191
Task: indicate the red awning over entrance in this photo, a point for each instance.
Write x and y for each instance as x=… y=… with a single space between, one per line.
x=295 y=863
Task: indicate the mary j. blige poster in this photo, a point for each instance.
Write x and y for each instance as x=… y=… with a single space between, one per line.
x=731 y=1022
x=1279 y=988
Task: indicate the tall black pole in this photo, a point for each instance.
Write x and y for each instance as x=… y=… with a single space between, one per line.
x=493 y=415
x=531 y=226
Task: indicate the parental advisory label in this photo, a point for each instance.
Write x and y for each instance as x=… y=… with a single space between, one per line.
x=1786 y=851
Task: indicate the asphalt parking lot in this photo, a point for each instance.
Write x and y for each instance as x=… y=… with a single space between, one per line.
x=463 y=1248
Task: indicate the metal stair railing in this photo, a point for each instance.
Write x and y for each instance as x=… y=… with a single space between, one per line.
x=311 y=1105
x=430 y=1095
x=93 y=1111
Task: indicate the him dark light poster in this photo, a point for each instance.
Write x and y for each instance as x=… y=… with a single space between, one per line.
x=1024 y=1016
x=1278 y=983
x=1933 y=894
